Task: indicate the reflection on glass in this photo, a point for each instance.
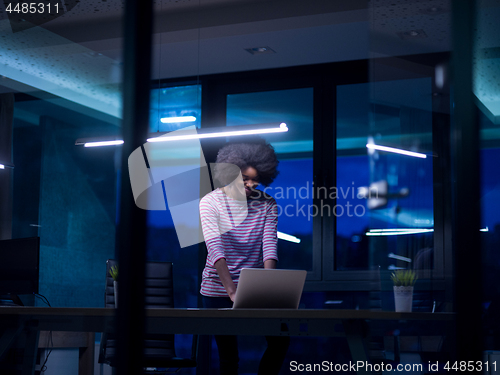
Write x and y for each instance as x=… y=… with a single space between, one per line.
x=486 y=65
x=64 y=86
x=293 y=188
x=486 y=68
x=389 y=188
x=173 y=108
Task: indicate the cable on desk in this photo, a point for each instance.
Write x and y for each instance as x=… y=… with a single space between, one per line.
x=43 y=298
x=50 y=341
x=43 y=368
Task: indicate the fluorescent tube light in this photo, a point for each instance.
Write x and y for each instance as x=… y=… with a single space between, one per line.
x=6 y=165
x=170 y=120
x=402 y=231
x=287 y=237
x=201 y=133
x=103 y=143
x=399 y=257
x=397 y=232
x=396 y=151
x=392 y=267
x=264 y=130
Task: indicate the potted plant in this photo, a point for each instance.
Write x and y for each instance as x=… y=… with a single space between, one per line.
x=113 y=272
x=403 y=280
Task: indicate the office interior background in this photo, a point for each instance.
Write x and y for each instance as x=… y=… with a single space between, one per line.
x=341 y=75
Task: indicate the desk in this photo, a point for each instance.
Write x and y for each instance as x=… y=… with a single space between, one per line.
x=274 y=322
x=83 y=341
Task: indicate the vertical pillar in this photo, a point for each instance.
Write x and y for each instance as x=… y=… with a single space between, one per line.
x=131 y=228
x=6 y=175
x=465 y=186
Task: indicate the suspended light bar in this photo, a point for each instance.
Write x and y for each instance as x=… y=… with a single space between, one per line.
x=201 y=133
x=396 y=151
x=402 y=231
x=170 y=120
x=287 y=237
x=6 y=165
x=219 y=133
x=103 y=143
x=399 y=257
x=397 y=231
x=392 y=267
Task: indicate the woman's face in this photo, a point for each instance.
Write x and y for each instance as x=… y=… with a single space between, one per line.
x=250 y=179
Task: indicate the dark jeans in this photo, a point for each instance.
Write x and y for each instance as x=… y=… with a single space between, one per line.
x=273 y=357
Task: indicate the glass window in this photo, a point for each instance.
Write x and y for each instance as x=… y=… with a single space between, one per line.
x=490 y=205
x=56 y=90
x=486 y=65
x=173 y=108
x=384 y=142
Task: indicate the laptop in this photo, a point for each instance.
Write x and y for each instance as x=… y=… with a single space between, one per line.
x=260 y=288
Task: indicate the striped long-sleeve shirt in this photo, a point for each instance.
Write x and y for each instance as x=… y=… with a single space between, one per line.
x=245 y=242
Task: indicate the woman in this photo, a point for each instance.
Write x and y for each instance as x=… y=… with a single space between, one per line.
x=250 y=242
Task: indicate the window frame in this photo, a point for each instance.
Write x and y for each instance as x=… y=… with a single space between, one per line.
x=324 y=79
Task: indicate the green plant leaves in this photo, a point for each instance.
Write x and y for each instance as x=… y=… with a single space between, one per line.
x=113 y=272
x=404 y=278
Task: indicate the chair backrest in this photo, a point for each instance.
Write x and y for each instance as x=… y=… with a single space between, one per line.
x=159 y=291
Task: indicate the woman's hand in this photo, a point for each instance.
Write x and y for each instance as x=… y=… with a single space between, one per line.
x=225 y=277
x=270 y=264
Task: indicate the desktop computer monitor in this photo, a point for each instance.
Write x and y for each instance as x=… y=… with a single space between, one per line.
x=19 y=266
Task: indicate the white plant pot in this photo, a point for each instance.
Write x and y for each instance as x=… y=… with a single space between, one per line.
x=403 y=298
x=115 y=287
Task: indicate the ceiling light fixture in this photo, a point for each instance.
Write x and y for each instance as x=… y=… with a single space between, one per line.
x=103 y=143
x=201 y=133
x=288 y=237
x=433 y=11
x=170 y=120
x=223 y=132
x=396 y=151
x=402 y=231
x=412 y=34
x=399 y=257
x=6 y=165
x=259 y=50
x=397 y=232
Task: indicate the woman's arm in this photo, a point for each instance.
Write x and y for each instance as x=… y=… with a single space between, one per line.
x=225 y=277
x=212 y=234
x=270 y=239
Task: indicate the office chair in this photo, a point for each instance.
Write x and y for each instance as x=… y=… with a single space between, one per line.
x=159 y=349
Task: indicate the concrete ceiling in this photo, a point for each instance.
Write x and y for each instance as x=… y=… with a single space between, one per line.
x=77 y=55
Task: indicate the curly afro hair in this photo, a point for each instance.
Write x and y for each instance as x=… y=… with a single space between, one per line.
x=255 y=153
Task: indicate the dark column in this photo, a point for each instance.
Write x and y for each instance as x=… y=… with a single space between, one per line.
x=131 y=230
x=465 y=186
x=6 y=175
